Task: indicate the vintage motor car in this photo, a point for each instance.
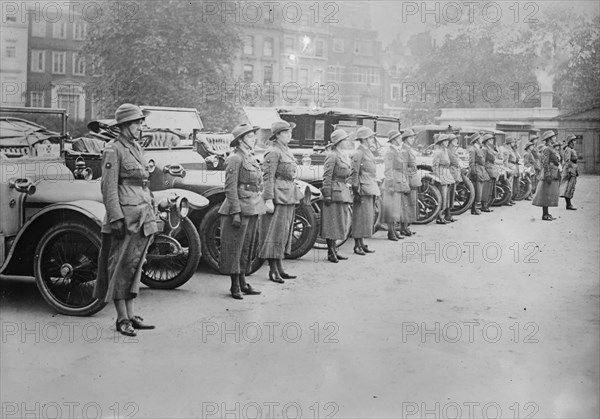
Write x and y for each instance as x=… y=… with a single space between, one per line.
x=171 y=138
x=50 y=218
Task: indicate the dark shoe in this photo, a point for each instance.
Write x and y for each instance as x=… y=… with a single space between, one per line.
x=571 y=207
x=547 y=217
x=440 y=221
x=274 y=276
x=475 y=212
x=392 y=236
x=138 y=323
x=340 y=257
x=366 y=249
x=125 y=327
x=331 y=257
x=406 y=232
x=285 y=275
x=248 y=290
x=450 y=219
x=485 y=209
x=509 y=204
x=399 y=234
x=236 y=293
x=358 y=250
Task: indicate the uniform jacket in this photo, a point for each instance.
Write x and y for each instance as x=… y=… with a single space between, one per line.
x=408 y=156
x=477 y=165
x=441 y=166
x=529 y=160
x=570 y=162
x=511 y=160
x=364 y=176
x=490 y=162
x=537 y=159
x=336 y=171
x=454 y=164
x=279 y=172
x=396 y=168
x=243 y=184
x=550 y=163
x=123 y=161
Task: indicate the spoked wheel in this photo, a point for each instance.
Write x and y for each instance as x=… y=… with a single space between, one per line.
x=502 y=193
x=172 y=258
x=320 y=243
x=464 y=196
x=430 y=203
x=210 y=236
x=66 y=265
x=525 y=187
x=304 y=234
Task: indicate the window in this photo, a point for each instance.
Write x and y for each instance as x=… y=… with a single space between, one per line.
x=248 y=45
x=335 y=73
x=38 y=61
x=248 y=73
x=374 y=76
x=319 y=75
x=303 y=77
x=395 y=91
x=38 y=29
x=11 y=51
x=363 y=47
x=288 y=74
x=338 y=45
x=70 y=102
x=79 y=31
x=359 y=75
x=288 y=44
x=268 y=74
x=268 y=47
x=319 y=48
x=36 y=99
x=58 y=62
x=78 y=65
x=59 y=30
x=96 y=68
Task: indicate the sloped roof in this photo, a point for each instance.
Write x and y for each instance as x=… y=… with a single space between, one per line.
x=589 y=114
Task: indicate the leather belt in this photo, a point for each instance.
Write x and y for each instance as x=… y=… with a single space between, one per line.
x=249 y=187
x=289 y=179
x=142 y=183
x=343 y=180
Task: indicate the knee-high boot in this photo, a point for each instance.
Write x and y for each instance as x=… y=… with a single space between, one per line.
x=331 y=255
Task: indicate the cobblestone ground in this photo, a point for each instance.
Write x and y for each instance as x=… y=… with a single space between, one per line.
x=493 y=316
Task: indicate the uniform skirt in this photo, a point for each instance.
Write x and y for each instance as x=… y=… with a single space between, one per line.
x=567 y=187
x=363 y=216
x=546 y=194
x=398 y=207
x=237 y=244
x=412 y=210
x=335 y=219
x=120 y=266
x=275 y=232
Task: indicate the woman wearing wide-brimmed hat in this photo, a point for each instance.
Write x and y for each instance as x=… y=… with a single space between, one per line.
x=441 y=168
x=364 y=186
x=511 y=161
x=241 y=210
x=548 y=185
x=408 y=156
x=536 y=161
x=281 y=196
x=129 y=224
x=337 y=196
x=569 y=174
x=479 y=174
x=456 y=173
x=491 y=161
x=530 y=164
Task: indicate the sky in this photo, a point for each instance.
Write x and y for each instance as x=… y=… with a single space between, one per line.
x=392 y=18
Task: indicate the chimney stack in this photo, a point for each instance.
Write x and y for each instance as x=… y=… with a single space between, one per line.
x=546 y=99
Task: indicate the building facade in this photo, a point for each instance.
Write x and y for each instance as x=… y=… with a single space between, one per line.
x=13 y=60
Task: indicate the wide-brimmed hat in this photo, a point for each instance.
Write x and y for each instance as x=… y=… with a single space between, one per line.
x=278 y=126
x=408 y=133
x=393 y=134
x=528 y=146
x=510 y=140
x=128 y=112
x=363 y=133
x=337 y=136
x=571 y=138
x=533 y=138
x=548 y=134
x=557 y=144
x=486 y=137
x=474 y=138
x=441 y=137
x=241 y=130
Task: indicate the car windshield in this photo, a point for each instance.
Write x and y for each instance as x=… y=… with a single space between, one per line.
x=184 y=121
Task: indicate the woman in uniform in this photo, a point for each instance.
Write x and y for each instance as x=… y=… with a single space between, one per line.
x=364 y=186
x=395 y=187
x=489 y=188
x=569 y=174
x=456 y=174
x=479 y=174
x=408 y=156
x=548 y=184
x=129 y=223
x=511 y=161
x=441 y=168
x=537 y=162
x=281 y=196
x=336 y=195
x=530 y=164
x=240 y=211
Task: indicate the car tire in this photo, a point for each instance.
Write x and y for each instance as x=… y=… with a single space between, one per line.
x=429 y=202
x=305 y=231
x=210 y=237
x=502 y=194
x=65 y=267
x=167 y=271
x=321 y=243
x=464 y=196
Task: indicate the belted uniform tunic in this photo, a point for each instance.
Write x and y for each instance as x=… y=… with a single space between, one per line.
x=569 y=174
x=547 y=191
x=363 y=179
x=396 y=186
x=335 y=218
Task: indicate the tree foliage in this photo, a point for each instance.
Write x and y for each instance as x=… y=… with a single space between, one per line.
x=163 y=53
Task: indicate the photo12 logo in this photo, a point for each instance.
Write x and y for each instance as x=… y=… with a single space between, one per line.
x=270 y=332
x=255 y=410
x=469 y=332
x=68 y=410
x=456 y=11
x=271 y=11
x=468 y=410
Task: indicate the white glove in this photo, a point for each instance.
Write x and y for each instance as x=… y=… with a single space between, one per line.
x=270 y=206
